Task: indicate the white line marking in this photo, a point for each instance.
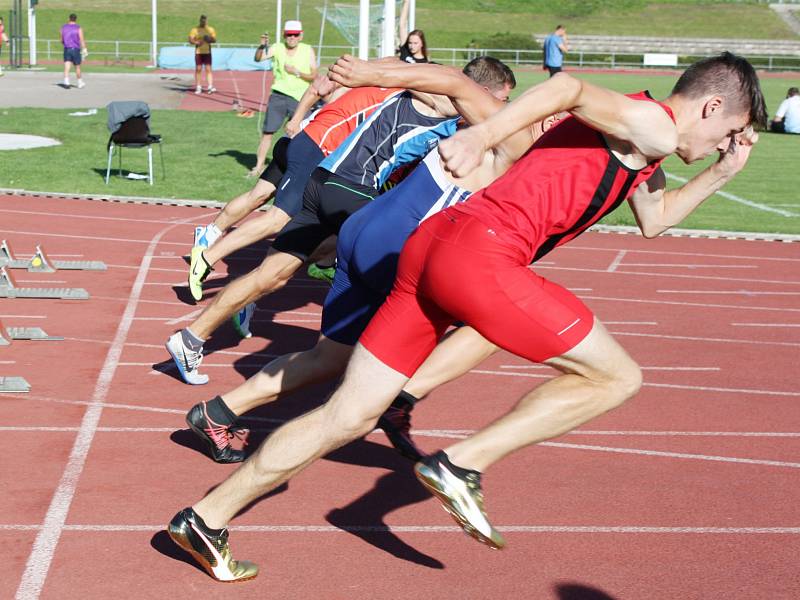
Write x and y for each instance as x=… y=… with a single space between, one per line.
x=86 y=217
x=662 y=253
x=24 y=317
x=86 y=237
x=42 y=281
x=187 y=317
x=704 y=339
x=729 y=292
x=8 y=362
x=617 y=260
x=44 y=547
x=591 y=529
x=692 y=266
x=766 y=324
x=643 y=368
x=630 y=323
x=700 y=304
x=747 y=461
x=676 y=275
x=697 y=388
x=739 y=199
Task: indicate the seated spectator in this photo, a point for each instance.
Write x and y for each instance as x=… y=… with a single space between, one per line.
x=787 y=119
x=414 y=50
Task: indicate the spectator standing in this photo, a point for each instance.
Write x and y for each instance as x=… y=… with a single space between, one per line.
x=74 y=49
x=414 y=50
x=787 y=119
x=3 y=40
x=555 y=46
x=294 y=67
x=202 y=37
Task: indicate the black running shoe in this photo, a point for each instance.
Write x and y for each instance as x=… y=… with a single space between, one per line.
x=211 y=551
x=216 y=436
x=396 y=424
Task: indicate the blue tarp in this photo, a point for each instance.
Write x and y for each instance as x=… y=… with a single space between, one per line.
x=224 y=59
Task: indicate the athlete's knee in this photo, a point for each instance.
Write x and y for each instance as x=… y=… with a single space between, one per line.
x=348 y=419
x=275 y=272
x=622 y=380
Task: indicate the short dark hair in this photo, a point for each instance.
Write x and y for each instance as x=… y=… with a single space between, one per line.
x=793 y=91
x=729 y=76
x=73 y=17
x=490 y=72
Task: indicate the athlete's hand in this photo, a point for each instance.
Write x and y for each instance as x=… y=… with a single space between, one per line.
x=734 y=158
x=464 y=151
x=323 y=86
x=292 y=128
x=352 y=72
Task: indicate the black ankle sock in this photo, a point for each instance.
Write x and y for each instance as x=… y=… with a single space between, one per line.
x=219 y=411
x=191 y=340
x=205 y=528
x=404 y=401
x=460 y=471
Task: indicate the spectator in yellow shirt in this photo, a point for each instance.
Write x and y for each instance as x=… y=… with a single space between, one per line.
x=201 y=37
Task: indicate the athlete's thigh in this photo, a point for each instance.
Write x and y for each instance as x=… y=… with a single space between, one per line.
x=303 y=156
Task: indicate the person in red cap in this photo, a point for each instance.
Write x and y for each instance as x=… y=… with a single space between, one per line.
x=294 y=66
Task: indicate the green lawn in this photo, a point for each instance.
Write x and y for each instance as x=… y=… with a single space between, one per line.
x=212 y=161
x=447 y=23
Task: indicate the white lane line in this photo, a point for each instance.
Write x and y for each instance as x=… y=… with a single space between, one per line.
x=8 y=362
x=699 y=304
x=676 y=275
x=705 y=339
x=538 y=529
x=643 y=368
x=44 y=546
x=683 y=455
x=85 y=237
x=766 y=324
x=443 y=433
x=696 y=388
x=24 y=316
x=729 y=292
x=630 y=323
x=739 y=199
x=187 y=317
x=617 y=260
x=691 y=266
x=86 y=217
x=42 y=281
x=662 y=253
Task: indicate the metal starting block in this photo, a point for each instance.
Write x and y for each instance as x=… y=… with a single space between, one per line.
x=9 y=334
x=14 y=385
x=41 y=263
x=9 y=289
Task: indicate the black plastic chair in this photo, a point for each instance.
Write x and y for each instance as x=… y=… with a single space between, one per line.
x=134 y=133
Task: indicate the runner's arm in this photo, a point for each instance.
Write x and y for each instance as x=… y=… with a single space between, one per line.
x=472 y=101
x=657 y=209
x=644 y=125
x=320 y=87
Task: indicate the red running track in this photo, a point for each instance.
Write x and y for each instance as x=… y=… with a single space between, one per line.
x=687 y=491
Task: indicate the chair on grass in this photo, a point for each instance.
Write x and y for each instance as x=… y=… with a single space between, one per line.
x=132 y=132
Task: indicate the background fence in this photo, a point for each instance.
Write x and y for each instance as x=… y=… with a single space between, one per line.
x=125 y=52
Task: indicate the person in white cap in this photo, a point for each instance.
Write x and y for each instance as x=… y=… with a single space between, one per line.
x=294 y=66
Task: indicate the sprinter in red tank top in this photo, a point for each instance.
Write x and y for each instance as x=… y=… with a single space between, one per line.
x=471 y=264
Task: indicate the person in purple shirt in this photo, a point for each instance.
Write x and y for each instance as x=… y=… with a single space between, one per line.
x=74 y=49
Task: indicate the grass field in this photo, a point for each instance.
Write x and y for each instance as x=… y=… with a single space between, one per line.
x=447 y=23
x=211 y=162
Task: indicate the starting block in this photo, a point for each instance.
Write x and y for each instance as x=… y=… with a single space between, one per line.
x=14 y=385
x=41 y=263
x=9 y=334
x=9 y=289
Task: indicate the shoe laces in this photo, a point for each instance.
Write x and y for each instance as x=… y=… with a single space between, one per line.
x=222 y=435
x=193 y=358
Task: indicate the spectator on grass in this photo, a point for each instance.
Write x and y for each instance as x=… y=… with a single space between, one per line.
x=555 y=46
x=3 y=40
x=202 y=37
x=787 y=119
x=294 y=67
x=74 y=49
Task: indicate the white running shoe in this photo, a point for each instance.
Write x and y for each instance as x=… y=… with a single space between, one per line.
x=198 y=90
x=212 y=89
x=187 y=360
x=81 y=84
x=65 y=83
x=241 y=320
